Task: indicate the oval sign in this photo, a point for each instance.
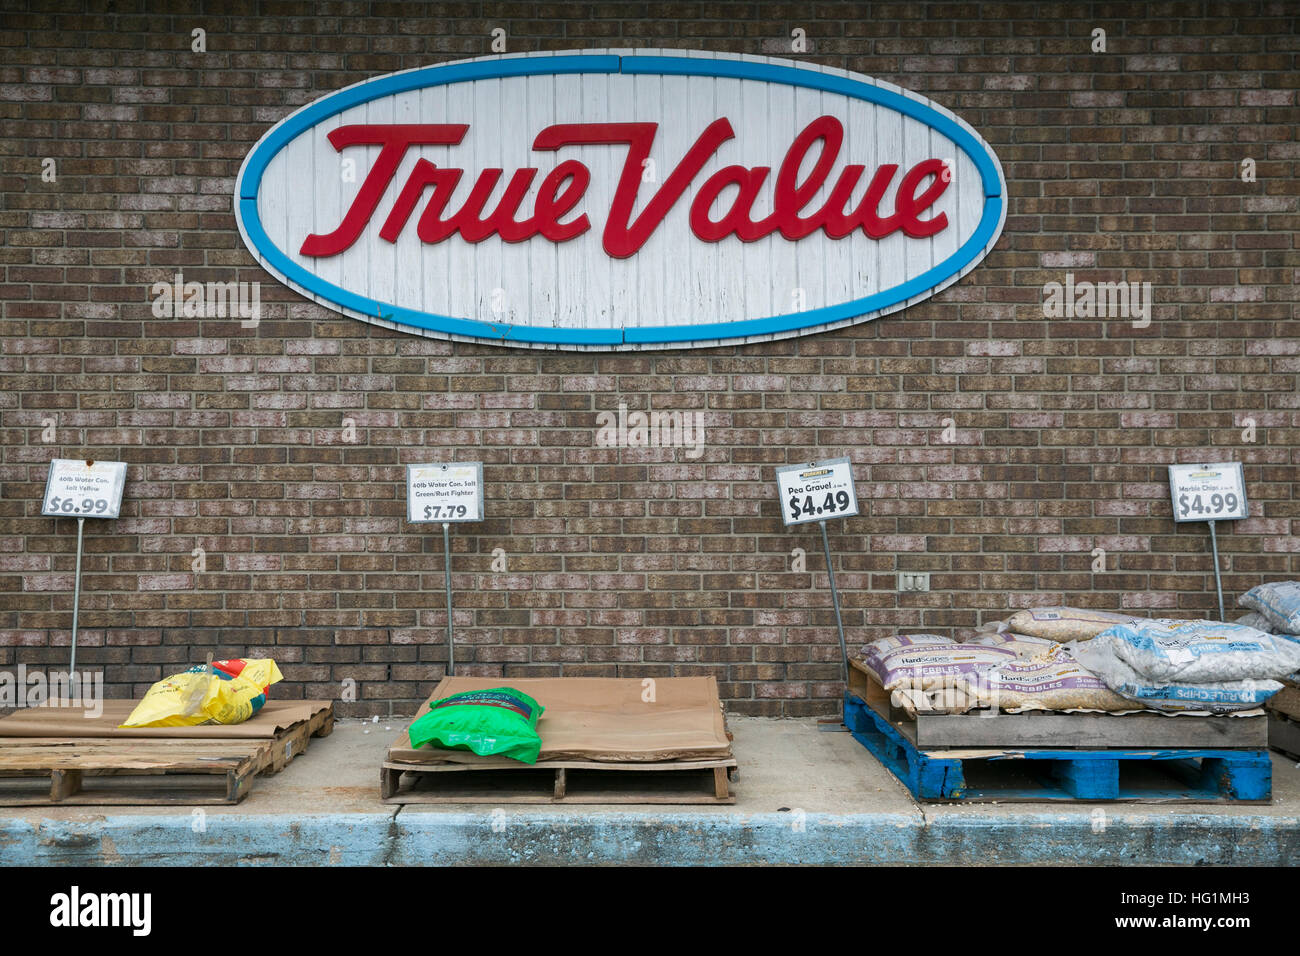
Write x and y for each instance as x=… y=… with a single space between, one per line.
x=620 y=200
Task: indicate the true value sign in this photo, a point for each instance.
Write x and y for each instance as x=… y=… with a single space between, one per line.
x=620 y=200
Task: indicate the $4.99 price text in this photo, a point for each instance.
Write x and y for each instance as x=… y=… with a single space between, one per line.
x=1207 y=505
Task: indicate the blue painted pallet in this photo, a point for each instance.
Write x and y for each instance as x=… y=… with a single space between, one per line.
x=1182 y=776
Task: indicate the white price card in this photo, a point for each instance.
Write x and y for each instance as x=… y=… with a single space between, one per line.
x=84 y=489
x=445 y=492
x=816 y=491
x=1208 y=492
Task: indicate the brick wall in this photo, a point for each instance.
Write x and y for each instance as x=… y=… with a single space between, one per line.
x=1123 y=164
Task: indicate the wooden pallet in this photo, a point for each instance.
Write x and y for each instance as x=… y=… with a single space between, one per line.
x=502 y=781
x=1286 y=701
x=1059 y=731
x=142 y=771
x=1147 y=775
x=1284 y=720
x=1284 y=735
x=293 y=740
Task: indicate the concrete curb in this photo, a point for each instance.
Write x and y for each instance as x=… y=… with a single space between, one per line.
x=458 y=838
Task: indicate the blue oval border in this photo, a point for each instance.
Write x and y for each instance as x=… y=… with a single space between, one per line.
x=250 y=180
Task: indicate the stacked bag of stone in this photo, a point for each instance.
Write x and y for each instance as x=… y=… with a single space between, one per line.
x=1050 y=679
x=1059 y=624
x=1277 y=604
x=923 y=672
x=1274 y=608
x=1256 y=620
x=1045 y=675
x=929 y=673
x=1203 y=667
x=1023 y=646
x=1076 y=659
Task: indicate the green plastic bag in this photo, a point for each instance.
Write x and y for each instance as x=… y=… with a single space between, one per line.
x=498 y=720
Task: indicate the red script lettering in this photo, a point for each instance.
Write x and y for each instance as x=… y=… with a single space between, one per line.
x=563 y=188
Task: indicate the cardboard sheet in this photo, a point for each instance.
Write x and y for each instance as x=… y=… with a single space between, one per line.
x=601 y=719
x=275 y=715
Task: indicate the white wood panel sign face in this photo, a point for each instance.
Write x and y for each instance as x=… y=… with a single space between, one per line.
x=620 y=199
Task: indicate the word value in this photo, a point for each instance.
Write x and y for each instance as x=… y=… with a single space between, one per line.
x=563 y=188
x=829 y=506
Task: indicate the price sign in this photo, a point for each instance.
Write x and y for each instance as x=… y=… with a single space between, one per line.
x=816 y=491
x=450 y=492
x=84 y=489
x=1208 y=492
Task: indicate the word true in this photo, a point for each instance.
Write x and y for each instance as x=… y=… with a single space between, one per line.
x=1101 y=300
x=563 y=188
x=55 y=689
x=652 y=430
x=74 y=908
x=211 y=300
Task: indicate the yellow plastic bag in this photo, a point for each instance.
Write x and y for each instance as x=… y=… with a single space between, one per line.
x=234 y=691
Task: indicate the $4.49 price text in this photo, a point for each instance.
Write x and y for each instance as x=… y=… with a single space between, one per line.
x=827 y=507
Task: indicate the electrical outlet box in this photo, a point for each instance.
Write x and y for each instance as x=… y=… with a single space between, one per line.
x=913 y=580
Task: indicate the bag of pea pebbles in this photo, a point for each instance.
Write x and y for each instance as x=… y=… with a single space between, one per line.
x=1023 y=645
x=933 y=665
x=873 y=651
x=947 y=699
x=1278 y=602
x=1053 y=680
x=1199 y=652
x=1217 y=697
x=1065 y=623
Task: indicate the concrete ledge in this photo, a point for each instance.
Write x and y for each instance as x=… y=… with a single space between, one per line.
x=859 y=838
x=804 y=796
x=229 y=840
x=459 y=838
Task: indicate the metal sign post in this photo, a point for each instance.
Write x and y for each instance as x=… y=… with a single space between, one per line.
x=1210 y=493
x=1218 y=583
x=818 y=491
x=82 y=489
x=447 y=492
x=76 y=598
x=835 y=600
x=446 y=565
